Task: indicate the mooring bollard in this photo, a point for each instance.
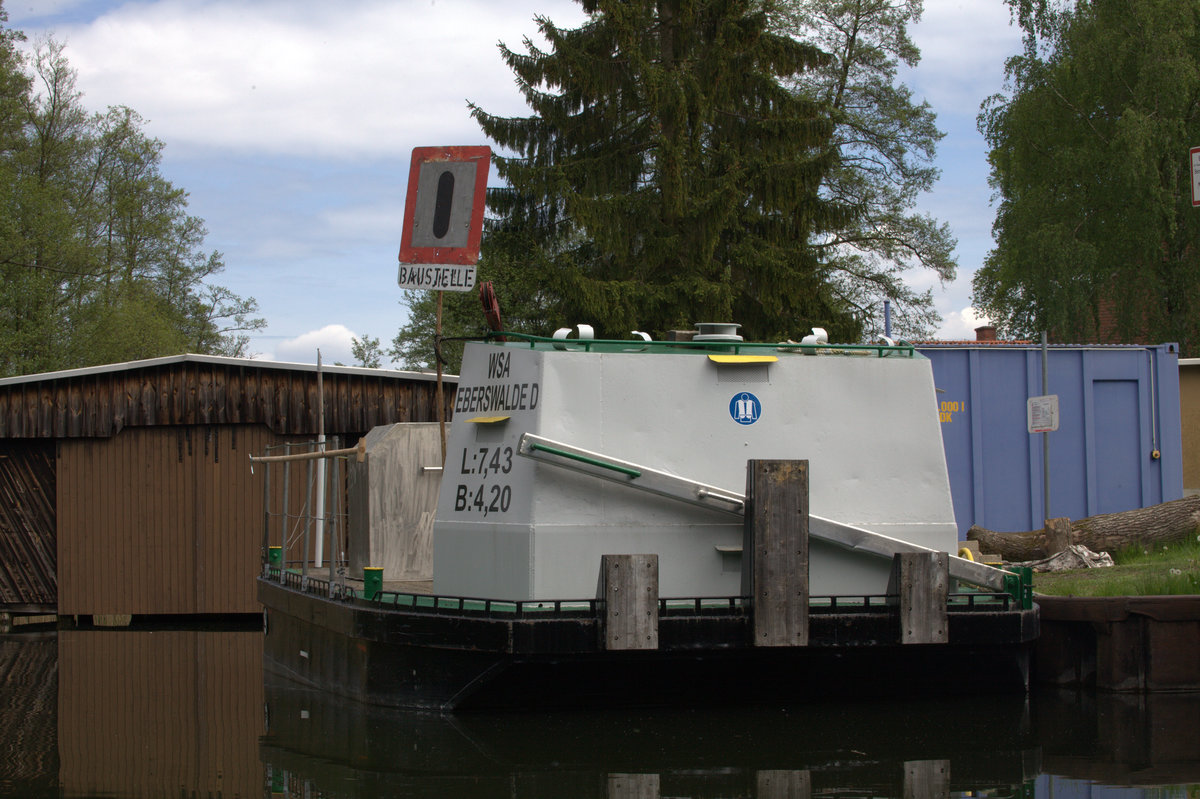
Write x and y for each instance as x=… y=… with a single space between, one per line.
x=372 y=582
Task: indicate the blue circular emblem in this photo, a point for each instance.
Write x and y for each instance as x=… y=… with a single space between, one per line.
x=745 y=408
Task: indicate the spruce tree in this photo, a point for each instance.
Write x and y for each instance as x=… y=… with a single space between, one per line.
x=666 y=175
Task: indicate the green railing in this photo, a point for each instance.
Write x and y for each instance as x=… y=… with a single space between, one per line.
x=901 y=350
x=965 y=602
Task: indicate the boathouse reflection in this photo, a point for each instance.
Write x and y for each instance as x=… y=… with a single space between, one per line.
x=136 y=713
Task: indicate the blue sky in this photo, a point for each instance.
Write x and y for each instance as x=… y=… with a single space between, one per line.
x=291 y=122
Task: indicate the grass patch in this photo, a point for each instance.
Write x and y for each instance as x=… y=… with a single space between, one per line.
x=1173 y=569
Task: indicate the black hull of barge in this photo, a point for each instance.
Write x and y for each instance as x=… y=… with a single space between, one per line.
x=448 y=660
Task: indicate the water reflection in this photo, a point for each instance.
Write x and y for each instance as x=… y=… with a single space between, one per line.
x=28 y=715
x=905 y=749
x=1121 y=739
x=187 y=713
x=130 y=713
x=159 y=713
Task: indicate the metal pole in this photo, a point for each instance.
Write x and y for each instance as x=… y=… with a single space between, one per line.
x=266 y=536
x=1045 y=436
x=320 y=514
x=308 y=491
x=359 y=451
x=437 y=356
x=283 y=517
x=332 y=527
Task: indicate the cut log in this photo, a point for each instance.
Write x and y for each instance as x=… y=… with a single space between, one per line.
x=1150 y=527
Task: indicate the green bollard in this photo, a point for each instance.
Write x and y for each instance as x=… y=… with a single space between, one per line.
x=372 y=582
x=1026 y=587
x=1012 y=587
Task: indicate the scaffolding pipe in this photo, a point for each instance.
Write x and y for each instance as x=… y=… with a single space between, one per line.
x=308 y=504
x=266 y=532
x=320 y=512
x=283 y=519
x=360 y=450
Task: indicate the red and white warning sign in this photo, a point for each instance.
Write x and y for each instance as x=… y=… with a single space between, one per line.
x=443 y=217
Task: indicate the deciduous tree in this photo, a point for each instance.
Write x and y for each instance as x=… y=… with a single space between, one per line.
x=366 y=351
x=886 y=143
x=99 y=259
x=1090 y=165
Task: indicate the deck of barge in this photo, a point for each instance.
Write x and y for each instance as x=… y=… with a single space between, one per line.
x=416 y=649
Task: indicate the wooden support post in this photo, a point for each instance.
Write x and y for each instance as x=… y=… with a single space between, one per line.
x=633 y=786
x=630 y=591
x=920 y=582
x=926 y=779
x=775 y=551
x=784 y=784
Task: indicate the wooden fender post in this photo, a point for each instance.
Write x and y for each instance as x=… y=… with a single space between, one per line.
x=629 y=586
x=775 y=551
x=921 y=583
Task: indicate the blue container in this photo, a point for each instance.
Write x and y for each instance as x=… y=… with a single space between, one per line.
x=1117 y=446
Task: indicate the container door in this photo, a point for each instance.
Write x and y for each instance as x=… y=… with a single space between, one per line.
x=1117 y=432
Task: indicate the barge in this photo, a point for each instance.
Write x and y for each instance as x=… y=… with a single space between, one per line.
x=593 y=544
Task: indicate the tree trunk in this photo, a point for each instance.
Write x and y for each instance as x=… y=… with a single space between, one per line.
x=1108 y=532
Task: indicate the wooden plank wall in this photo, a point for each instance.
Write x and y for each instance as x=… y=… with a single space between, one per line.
x=160 y=520
x=27 y=525
x=193 y=393
x=147 y=505
x=162 y=713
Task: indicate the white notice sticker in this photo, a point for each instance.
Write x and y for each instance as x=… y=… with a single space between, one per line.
x=1042 y=413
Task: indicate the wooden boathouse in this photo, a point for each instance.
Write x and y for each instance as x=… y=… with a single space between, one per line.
x=126 y=489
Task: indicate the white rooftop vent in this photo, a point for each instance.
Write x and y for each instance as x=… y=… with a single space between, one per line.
x=717 y=331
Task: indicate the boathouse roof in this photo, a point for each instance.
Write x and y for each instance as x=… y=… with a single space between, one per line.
x=100 y=401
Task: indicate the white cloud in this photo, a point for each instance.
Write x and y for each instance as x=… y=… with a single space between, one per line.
x=964 y=44
x=349 y=79
x=960 y=325
x=334 y=342
x=290 y=123
x=366 y=221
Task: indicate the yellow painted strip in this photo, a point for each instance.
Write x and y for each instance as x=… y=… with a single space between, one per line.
x=488 y=419
x=743 y=358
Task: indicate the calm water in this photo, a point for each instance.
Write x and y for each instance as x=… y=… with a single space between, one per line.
x=169 y=713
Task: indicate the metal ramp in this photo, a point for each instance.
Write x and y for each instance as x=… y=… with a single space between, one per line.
x=847 y=536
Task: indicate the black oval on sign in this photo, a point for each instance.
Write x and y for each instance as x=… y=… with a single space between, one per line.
x=441 y=207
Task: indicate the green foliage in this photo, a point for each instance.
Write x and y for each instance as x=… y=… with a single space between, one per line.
x=1175 y=553
x=99 y=260
x=366 y=352
x=1090 y=164
x=1169 y=570
x=886 y=144
x=666 y=175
